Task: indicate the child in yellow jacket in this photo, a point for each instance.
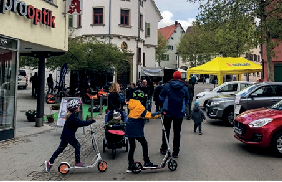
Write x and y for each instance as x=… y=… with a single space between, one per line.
x=135 y=128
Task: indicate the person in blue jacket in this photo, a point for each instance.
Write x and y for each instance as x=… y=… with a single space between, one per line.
x=175 y=96
x=68 y=134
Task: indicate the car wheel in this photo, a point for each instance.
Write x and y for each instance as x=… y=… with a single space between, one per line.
x=277 y=144
x=229 y=116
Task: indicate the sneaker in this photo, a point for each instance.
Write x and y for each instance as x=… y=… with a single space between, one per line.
x=150 y=164
x=129 y=170
x=200 y=133
x=80 y=165
x=175 y=155
x=48 y=166
x=162 y=151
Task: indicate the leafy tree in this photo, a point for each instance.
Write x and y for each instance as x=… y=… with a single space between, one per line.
x=268 y=12
x=162 y=48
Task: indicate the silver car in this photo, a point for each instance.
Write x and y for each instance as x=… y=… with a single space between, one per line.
x=256 y=96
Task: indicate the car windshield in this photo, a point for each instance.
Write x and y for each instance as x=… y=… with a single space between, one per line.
x=219 y=87
x=277 y=106
x=247 y=90
x=22 y=73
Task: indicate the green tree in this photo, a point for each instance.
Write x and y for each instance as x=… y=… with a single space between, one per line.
x=162 y=48
x=268 y=12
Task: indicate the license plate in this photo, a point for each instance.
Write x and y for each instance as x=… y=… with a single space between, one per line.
x=238 y=131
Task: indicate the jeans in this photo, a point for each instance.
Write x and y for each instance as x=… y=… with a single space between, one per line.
x=63 y=145
x=132 y=147
x=177 y=122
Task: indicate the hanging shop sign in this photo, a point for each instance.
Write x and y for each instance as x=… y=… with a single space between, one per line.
x=43 y=16
x=74 y=7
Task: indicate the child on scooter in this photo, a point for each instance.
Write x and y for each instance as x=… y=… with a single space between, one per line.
x=135 y=128
x=68 y=134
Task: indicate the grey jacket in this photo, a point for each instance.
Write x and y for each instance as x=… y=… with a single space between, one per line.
x=198 y=115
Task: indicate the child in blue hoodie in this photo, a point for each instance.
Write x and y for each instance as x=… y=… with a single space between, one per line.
x=198 y=117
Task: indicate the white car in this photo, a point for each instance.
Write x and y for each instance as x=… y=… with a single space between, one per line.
x=22 y=79
x=223 y=89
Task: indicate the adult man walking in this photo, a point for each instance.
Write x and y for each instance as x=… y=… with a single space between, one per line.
x=33 y=80
x=50 y=84
x=175 y=96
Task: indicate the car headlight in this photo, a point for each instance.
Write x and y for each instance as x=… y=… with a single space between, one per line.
x=216 y=102
x=260 y=122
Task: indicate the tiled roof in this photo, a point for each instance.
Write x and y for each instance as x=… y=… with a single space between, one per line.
x=168 y=31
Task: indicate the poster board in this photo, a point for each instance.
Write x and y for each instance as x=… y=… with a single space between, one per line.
x=63 y=110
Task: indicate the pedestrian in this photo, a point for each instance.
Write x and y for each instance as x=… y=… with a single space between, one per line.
x=146 y=89
x=138 y=83
x=175 y=96
x=50 y=84
x=150 y=94
x=135 y=128
x=193 y=81
x=198 y=117
x=158 y=103
x=68 y=134
x=114 y=100
x=191 y=96
x=129 y=93
x=33 y=81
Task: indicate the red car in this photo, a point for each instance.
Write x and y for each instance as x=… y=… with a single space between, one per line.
x=261 y=127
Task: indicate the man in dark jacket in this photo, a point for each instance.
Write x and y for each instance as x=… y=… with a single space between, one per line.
x=156 y=98
x=175 y=96
x=33 y=80
x=191 y=95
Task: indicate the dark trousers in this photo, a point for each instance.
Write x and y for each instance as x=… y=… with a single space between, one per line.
x=132 y=147
x=177 y=122
x=158 y=107
x=50 y=88
x=196 y=126
x=34 y=90
x=188 y=109
x=63 y=145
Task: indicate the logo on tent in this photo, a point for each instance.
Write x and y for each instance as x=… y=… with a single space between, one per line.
x=238 y=64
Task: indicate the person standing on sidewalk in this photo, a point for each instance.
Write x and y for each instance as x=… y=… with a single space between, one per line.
x=33 y=81
x=68 y=134
x=156 y=98
x=191 y=95
x=50 y=84
x=175 y=96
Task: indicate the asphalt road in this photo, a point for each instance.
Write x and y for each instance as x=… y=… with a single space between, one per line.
x=214 y=156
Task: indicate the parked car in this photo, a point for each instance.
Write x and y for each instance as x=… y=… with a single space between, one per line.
x=261 y=127
x=256 y=96
x=226 y=88
x=22 y=79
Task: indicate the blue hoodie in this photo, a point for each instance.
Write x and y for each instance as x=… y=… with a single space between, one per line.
x=175 y=96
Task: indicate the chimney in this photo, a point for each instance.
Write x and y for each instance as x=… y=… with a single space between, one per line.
x=176 y=23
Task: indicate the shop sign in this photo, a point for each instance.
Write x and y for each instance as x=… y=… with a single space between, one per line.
x=74 y=7
x=44 y=16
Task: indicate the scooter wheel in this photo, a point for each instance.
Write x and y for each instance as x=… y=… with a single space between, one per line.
x=172 y=165
x=63 y=168
x=102 y=166
x=136 y=167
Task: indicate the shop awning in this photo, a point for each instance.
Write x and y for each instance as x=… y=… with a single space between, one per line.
x=226 y=66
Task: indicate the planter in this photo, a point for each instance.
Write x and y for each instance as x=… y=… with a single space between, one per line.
x=50 y=120
x=30 y=119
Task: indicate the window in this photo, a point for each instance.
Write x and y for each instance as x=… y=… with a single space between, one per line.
x=244 y=85
x=171 y=38
x=229 y=88
x=144 y=63
x=97 y=15
x=79 y=21
x=70 y=21
x=174 y=31
x=141 y=3
x=124 y=17
x=255 y=57
x=170 y=47
x=148 y=30
x=141 y=22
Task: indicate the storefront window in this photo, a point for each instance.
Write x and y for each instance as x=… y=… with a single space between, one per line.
x=8 y=66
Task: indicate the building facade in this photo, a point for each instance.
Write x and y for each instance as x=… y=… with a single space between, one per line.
x=173 y=35
x=131 y=25
x=28 y=28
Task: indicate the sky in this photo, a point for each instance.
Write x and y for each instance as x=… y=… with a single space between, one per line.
x=177 y=10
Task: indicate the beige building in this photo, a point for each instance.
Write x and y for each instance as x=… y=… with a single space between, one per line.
x=29 y=28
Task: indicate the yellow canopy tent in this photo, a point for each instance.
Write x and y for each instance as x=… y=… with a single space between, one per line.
x=226 y=66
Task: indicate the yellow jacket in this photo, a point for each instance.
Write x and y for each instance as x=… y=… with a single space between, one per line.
x=137 y=110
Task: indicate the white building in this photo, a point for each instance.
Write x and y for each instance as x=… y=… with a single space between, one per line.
x=117 y=22
x=173 y=35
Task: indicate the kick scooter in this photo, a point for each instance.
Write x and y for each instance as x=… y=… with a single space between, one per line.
x=172 y=164
x=65 y=167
